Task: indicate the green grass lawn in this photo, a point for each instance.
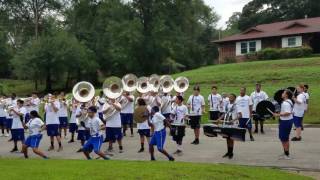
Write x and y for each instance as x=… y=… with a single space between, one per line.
x=274 y=75
x=81 y=169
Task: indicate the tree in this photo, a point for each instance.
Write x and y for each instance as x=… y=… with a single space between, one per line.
x=232 y=24
x=269 y=11
x=53 y=58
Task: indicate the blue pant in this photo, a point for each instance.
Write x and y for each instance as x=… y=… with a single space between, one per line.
x=17 y=134
x=126 y=118
x=245 y=123
x=297 y=121
x=144 y=132
x=53 y=130
x=94 y=143
x=113 y=134
x=33 y=141
x=73 y=127
x=159 y=138
x=63 y=122
x=285 y=129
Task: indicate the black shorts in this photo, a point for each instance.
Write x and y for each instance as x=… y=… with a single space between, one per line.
x=214 y=115
x=195 y=122
x=177 y=133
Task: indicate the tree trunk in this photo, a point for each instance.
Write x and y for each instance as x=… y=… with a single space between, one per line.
x=36 y=85
x=67 y=81
x=48 y=81
x=36 y=20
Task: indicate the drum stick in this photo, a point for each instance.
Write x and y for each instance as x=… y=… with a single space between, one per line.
x=269 y=110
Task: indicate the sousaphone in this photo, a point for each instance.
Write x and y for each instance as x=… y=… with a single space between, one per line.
x=112 y=89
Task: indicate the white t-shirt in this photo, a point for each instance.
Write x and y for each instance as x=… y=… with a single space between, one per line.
x=225 y=103
x=63 y=110
x=215 y=102
x=94 y=125
x=243 y=104
x=232 y=111
x=115 y=119
x=167 y=108
x=299 y=108
x=286 y=106
x=16 y=121
x=154 y=100
x=196 y=103
x=2 y=111
x=73 y=117
x=34 y=126
x=100 y=104
x=179 y=113
x=258 y=97
x=128 y=109
x=145 y=124
x=34 y=104
x=52 y=117
x=157 y=121
x=81 y=112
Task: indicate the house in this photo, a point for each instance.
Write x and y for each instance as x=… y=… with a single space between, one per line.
x=286 y=34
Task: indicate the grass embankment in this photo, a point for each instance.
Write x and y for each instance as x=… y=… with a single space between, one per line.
x=81 y=169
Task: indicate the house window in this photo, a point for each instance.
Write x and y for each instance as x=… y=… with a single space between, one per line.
x=252 y=46
x=292 y=42
x=244 y=48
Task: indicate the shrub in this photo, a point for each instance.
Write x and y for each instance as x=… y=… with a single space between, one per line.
x=283 y=53
x=269 y=53
x=229 y=60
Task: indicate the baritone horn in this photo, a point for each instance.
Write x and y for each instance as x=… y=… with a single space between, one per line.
x=181 y=84
x=83 y=91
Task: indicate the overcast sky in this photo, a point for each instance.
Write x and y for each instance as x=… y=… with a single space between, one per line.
x=225 y=8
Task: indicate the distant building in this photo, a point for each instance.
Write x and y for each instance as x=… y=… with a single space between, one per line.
x=286 y=34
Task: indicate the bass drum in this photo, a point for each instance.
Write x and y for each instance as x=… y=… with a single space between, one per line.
x=263 y=108
x=278 y=96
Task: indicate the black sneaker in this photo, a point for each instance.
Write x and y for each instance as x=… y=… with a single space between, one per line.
x=296 y=139
x=230 y=156
x=14 y=150
x=71 y=141
x=255 y=131
x=251 y=138
x=226 y=155
x=262 y=132
x=171 y=158
x=153 y=159
x=195 y=142
x=141 y=150
x=80 y=150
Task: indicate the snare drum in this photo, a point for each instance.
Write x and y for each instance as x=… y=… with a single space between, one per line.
x=177 y=130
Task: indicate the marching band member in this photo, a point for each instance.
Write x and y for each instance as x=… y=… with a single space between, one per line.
x=196 y=106
x=215 y=103
x=34 y=102
x=94 y=125
x=179 y=114
x=143 y=127
x=159 y=135
x=113 y=126
x=63 y=115
x=230 y=117
x=127 y=112
x=27 y=105
x=285 y=122
x=35 y=126
x=100 y=104
x=17 y=113
x=173 y=99
x=166 y=105
x=52 y=121
x=8 y=117
x=306 y=93
x=257 y=96
x=83 y=133
x=225 y=102
x=154 y=99
x=73 y=119
x=11 y=102
x=244 y=107
x=3 y=118
x=298 y=111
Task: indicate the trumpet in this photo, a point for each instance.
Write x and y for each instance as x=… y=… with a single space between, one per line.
x=112 y=89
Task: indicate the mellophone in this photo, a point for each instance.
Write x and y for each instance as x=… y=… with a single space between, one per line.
x=235 y=133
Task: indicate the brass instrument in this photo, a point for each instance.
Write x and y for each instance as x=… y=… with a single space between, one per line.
x=129 y=82
x=112 y=89
x=181 y=84
x=154 y=81
x=143 y=85
x=83 y=91
x=166 y=82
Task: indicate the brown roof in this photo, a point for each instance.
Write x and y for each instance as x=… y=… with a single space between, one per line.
x=293 y=27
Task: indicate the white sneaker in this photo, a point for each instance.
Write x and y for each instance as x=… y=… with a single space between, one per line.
x=284 y=157
x=6 y=135
x=2 y=135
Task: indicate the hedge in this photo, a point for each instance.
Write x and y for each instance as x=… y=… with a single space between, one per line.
x=283 y=53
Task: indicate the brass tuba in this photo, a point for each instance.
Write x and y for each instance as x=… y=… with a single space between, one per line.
x=143 y=85
x=112 y=89
x=129 y=82
x=154 y=81
x=83 y=91
x=166 y=82
x=181 y=84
